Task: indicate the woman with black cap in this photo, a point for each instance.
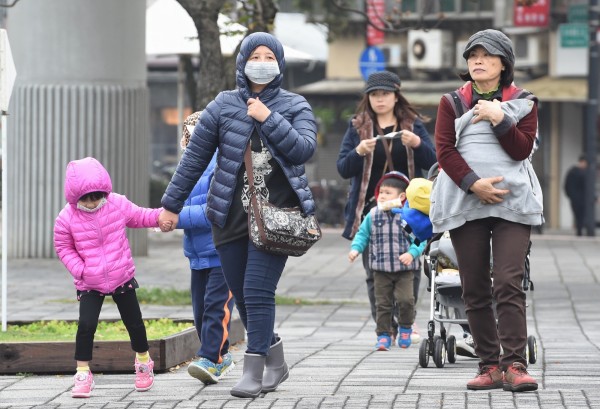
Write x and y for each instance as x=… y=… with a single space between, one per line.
x=488 y=197
x=364 y=159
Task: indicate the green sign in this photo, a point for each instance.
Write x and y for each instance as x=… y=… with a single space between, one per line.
x=574 y=35
x=578 y=13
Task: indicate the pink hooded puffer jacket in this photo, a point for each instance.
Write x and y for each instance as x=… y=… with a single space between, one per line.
x=94 y=246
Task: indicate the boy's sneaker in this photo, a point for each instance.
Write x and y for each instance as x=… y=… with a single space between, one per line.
x=488 y=377
x=83 y=384
x=466 y=347
x=205 y=371
x=404 y=339
x=516 y=379
x=226 y=365
x=144 y=375
x=415 y=336
x=384 y=342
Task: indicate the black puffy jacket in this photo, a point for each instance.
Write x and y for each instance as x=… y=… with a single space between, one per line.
x=289 y=133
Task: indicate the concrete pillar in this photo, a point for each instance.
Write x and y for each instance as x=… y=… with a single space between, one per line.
x=80 y=91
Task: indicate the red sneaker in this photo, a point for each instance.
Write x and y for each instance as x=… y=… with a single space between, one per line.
x=488 y=377
x=516 y=379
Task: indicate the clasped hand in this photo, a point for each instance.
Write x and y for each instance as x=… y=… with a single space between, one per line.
x=257 y=110
x=486 y=192
x=489 y=111
x=167 y=220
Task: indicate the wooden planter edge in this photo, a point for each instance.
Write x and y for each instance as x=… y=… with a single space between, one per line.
x=109 y=356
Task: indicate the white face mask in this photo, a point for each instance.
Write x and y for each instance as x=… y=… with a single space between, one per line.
x=95 y=209
x=261 y=72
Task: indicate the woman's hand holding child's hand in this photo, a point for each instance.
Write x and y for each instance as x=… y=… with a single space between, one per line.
x=167 y=220
x=406 y=258
x=353 y=255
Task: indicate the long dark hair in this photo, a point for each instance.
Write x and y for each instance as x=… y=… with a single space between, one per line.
x=402 y=109
x=507 y=76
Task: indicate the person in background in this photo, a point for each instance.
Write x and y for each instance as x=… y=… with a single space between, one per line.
x=394 y=258
x=575 y=186
x=212 y=302
x=90 y=239
x=364 y=159
x=488 y=197
x=278 y=129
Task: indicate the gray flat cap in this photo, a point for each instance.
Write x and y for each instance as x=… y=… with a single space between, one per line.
x=494 y=41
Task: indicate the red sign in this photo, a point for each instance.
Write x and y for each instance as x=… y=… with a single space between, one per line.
x=532 y=14
x=375 y=14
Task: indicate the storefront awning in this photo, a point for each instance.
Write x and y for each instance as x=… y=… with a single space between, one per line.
x=552 y=89
x=419 y=93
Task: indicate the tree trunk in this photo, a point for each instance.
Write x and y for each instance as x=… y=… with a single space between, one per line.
x=210 y=78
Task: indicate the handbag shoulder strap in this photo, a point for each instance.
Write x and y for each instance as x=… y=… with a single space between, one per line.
x=249 y=168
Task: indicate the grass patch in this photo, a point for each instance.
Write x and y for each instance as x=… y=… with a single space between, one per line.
x=285 y=300
x=162 y=296
x=59 y=331
x=173 y=296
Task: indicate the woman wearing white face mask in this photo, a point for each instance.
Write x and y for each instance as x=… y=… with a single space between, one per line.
x=279 y=128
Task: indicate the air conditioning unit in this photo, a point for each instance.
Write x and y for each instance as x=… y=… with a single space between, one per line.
x=530 y=51
x=392 y=53
x=461 y=63
x=430 y=50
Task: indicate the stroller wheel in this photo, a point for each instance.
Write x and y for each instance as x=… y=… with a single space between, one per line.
x=531 y=349
x=451 y=349
x=439 y=353
x=424 y=353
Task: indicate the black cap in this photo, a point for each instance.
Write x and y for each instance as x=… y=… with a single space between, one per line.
x=384 y=80
x=494 y=41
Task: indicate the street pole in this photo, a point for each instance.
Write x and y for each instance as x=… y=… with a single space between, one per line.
x=591 y=119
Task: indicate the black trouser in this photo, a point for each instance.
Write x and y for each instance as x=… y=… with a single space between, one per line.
x=509 y=244
x=89 y=312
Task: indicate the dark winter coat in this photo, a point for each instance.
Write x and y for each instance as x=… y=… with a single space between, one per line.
x=289 y=133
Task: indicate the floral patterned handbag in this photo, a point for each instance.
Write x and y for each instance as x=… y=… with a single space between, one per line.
x=283 y=231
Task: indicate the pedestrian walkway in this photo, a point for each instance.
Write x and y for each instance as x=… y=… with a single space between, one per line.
x=328 y=336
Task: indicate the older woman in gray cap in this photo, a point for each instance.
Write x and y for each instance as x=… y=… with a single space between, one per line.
x=364 y=159
x=488 y=197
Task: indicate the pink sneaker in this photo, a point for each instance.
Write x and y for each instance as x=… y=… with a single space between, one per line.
x=83 y=385
x=144 y=375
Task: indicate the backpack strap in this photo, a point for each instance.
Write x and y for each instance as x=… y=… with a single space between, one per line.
x=456 y=103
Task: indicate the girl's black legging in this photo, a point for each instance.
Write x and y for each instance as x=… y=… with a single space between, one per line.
x=89 y=312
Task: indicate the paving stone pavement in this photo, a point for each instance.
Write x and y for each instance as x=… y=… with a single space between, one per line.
x=329 y=343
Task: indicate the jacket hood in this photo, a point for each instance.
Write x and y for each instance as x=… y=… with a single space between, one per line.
x=394 y=174
x=248 y=45
x=84 y=176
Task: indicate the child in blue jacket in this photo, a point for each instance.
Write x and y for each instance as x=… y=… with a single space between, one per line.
x=212 y=302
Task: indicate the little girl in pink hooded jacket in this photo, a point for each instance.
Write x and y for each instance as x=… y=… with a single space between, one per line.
x=93 y=246
x=90 y=238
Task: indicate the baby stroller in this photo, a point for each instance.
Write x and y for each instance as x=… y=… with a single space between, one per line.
x=441 y=268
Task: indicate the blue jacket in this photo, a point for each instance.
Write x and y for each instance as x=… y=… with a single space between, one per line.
x=350 y=166
x=197 y=236
x=289 y=133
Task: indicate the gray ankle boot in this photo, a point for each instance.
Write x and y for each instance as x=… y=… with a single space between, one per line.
x=250 y=385
x=276 y=370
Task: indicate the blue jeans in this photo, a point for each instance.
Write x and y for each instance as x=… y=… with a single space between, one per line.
x=252 y=276
x=212 y=303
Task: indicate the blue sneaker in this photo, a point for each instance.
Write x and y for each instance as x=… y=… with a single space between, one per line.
x=404 y=339
x=205 y=370
x=384 y=342
x=226 y=366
